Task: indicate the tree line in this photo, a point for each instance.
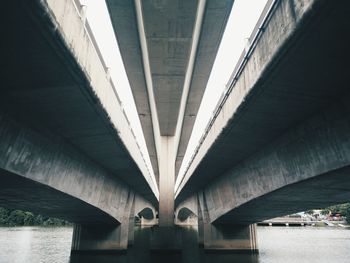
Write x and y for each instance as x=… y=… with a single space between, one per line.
x=10 y=217
x=342 y=209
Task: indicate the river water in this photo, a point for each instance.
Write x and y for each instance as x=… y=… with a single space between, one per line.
x=276 y=245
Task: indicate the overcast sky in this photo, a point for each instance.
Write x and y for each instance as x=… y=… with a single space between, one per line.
x=242 y=20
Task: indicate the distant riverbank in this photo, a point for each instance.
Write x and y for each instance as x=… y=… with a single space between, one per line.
x=21 y=218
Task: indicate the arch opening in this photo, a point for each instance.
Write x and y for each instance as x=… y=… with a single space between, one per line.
x=146 y=213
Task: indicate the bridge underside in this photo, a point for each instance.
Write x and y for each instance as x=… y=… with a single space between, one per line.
x=280 y=143
x=306 y=168
x=156 y=41
x=66 y=147
x=298 y=68
x=317 y=193
x=40 y=172
x=49 y=88
x=17 y=192
x=52 y=163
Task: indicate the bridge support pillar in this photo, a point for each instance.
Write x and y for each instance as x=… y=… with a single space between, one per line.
x=99 y=238
x=236 y=238
x=105 y=237
x=166 y=182
x=164 y=237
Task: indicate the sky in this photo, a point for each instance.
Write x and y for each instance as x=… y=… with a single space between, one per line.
x=242 y=20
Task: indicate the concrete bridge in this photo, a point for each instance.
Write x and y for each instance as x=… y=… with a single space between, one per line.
x=277 y=143
x=66 y=146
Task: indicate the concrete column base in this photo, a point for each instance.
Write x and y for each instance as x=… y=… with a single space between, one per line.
x=229 y=237
x=148 y=222
x=99 y=238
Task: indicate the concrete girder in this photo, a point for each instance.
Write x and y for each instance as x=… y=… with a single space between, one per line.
x=296 y=68
x=48 y=176
x=125 y=25
x=55 y=80
x=214 y=21
x=171 y=64
x=306 y=168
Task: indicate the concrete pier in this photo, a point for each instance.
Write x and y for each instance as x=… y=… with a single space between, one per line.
x=106 y=238
x=99 y=238
x=235 y=238
x=164 y=236
x=228 y=237
x=166 y=182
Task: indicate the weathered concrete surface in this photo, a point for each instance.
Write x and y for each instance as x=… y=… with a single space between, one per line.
x=168 y=26
x=280 y=143
x=166 y=182
x=169 y=34
x=99 y=238
x=66 y=147
x=145 y=212
x=215 y=18
x=18 y=192
x=123 y=17
x=229 y=237
x=144 y=208
x=53 y=79
x=106 y=237
x=298 y=67
x=46 y=164
x=185 y=217
x=183 y=214
x=186 y=209
x=235 y=238
x=46 y=175
x=306 y=168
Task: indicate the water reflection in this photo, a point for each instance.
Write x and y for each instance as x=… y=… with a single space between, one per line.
x=141 y=252
x=276 y=245
x=156 y=257
x=35 y=244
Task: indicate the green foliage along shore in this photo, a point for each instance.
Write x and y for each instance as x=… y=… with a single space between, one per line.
x=21 y=218
x=343 y=209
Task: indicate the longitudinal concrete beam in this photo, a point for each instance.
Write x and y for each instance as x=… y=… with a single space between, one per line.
x=306 y=168
x=125 y=24
x=297 y=67
x=66 y=147
x=213 y=24
x=55 y=79
x=168 y=28
x=74 y=33
x=44 y=174
x=168 y=57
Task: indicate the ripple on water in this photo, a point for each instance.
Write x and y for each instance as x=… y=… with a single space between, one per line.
x=276 y=245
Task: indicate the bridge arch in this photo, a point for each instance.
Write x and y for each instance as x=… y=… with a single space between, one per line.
x=145 y=211
x=186 y=213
